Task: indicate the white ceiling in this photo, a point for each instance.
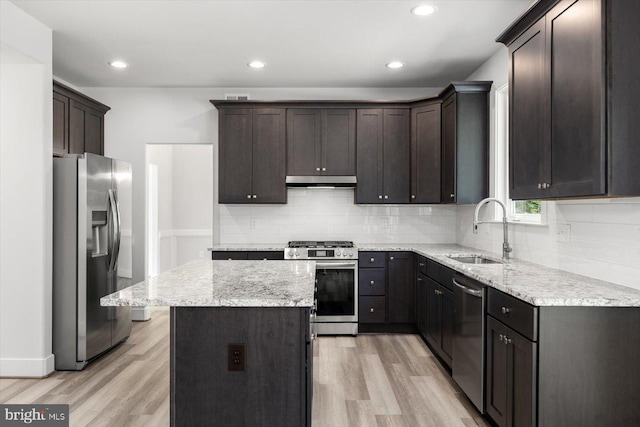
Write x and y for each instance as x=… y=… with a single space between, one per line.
x=328 y=43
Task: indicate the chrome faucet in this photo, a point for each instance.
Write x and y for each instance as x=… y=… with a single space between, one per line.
x=506 y=249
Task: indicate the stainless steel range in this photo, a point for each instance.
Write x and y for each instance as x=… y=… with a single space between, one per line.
x=336 y=284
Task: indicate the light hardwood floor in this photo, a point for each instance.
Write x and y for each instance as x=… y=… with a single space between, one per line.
x=403 y=386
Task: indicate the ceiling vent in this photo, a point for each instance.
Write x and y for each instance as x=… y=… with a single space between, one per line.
x=236 y=97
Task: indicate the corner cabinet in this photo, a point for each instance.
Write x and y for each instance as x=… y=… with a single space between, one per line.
x=321 y=141
x=78 y=122
x=465 y=142
x=383 y=150
x=252 y=155
x=425 y=153
x=573 y=100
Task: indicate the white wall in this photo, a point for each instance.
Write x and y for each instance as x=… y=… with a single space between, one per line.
x=185 y=176
x=26 y=172
x=595 y=238
x=332 y=215
x=140 y=116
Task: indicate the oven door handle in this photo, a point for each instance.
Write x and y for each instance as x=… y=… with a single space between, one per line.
x=336 y=264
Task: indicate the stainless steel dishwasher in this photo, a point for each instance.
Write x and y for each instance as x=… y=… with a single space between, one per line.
x=469 y=338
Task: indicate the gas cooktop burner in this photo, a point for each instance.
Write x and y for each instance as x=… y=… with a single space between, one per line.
x=313 y=244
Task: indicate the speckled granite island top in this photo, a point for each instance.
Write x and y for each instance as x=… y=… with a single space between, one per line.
x=533 y=283
x=204 y=283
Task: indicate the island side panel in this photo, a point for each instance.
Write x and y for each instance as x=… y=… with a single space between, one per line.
x=273 y=388
x=589 y=371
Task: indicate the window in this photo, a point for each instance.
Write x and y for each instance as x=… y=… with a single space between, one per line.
x=524 y=211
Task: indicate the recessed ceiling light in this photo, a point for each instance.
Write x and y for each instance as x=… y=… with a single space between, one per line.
x=395 y=64
x=256 y=64
x=118 y=64
x=424 y=10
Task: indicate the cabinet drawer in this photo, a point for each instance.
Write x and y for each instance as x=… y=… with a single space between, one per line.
x=230 y=255
x=371 y=309
x=517 y=314
x=422 y=264
x=446 y=277
x=372 y=259
x=265 y=255
x=433 y=270
x=372 y=281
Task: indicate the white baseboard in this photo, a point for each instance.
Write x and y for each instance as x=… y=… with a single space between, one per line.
x=140 y=314
x=27 y=368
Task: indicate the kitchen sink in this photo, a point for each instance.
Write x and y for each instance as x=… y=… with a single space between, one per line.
x=473 y=259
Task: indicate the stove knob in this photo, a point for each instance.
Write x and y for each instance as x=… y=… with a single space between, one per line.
x=350 y=253
x=297 y=252
x=290 y=253
x=338 y=252
x=344 y=254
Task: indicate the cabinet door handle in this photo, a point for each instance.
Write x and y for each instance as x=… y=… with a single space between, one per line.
x=419 y=279
x=372 y=283
x=317 y=169
x=248 y=196
x=255 y=197
x=539 y=186
x=324 y=169
x=506 y=310
x=386 y=197
x=507 y=341
x=371 y=310
x=421 y=264
x=452 y=195
x=390 y=258
x=413 y=196
x=372 y=260
x=379 y=197
x=501 y=337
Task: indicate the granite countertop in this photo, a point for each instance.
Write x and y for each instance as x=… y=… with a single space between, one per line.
x=249 y=247
x=533 y=283
x=205 y=283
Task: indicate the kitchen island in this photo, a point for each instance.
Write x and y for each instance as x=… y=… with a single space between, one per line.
x=241 y=347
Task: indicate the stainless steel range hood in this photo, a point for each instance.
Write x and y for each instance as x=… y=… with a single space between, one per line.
x=321 y=181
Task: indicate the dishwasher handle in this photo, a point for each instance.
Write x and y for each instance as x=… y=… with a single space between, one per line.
x=466 y=290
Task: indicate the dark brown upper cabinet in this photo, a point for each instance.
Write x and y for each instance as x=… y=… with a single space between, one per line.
x=465 y=142
x=573 y=100
x=321 y=141
x=252 y=155
x=425 y=153
x=383 y=162
x=78 y=122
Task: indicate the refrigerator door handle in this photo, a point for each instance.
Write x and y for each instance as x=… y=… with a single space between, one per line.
x=115 y=218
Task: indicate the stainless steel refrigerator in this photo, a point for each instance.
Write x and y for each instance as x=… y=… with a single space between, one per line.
x=91 y=256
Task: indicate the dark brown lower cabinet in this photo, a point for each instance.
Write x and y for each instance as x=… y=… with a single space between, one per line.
x=401 y=289
x=561 y=366
x=439 y=319
x=511 y=376
x=273 y=389
x=421 y=303
x=386 y=292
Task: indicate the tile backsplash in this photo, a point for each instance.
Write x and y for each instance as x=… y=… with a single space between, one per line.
x=595 y=238
x=331 y=214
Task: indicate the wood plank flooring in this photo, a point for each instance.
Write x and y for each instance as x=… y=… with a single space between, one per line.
x=367 y=381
